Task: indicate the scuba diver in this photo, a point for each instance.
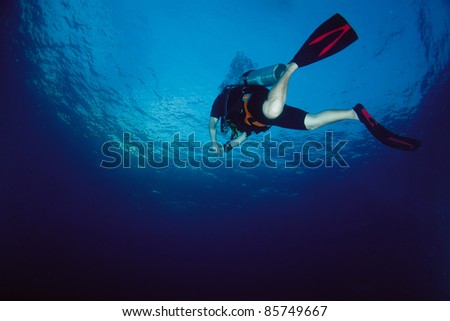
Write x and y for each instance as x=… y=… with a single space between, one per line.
x=251 y=107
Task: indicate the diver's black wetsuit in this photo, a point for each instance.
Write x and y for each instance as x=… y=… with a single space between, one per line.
x=231 y=105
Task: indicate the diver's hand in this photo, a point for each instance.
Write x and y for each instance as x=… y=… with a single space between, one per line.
x=227 y=147
x=215 y=148
x=234 y=143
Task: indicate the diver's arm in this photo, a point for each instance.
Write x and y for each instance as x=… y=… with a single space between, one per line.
x=213 y=129
x=213 y=132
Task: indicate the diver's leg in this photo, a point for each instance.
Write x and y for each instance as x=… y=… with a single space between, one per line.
x=273 y=106
x=328 y=117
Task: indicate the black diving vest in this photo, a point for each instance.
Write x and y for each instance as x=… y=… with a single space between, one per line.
x=239 y=108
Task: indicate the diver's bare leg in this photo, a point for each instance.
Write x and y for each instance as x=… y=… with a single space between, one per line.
x=328 y=117
x=274 y=105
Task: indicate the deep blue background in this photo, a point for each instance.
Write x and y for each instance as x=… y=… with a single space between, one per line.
x=71 y=230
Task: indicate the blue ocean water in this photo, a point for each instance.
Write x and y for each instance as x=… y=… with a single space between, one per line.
x=77 y=74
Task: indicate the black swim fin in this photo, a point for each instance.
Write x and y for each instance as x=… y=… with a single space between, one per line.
x=383 y=135
x=329 y=38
